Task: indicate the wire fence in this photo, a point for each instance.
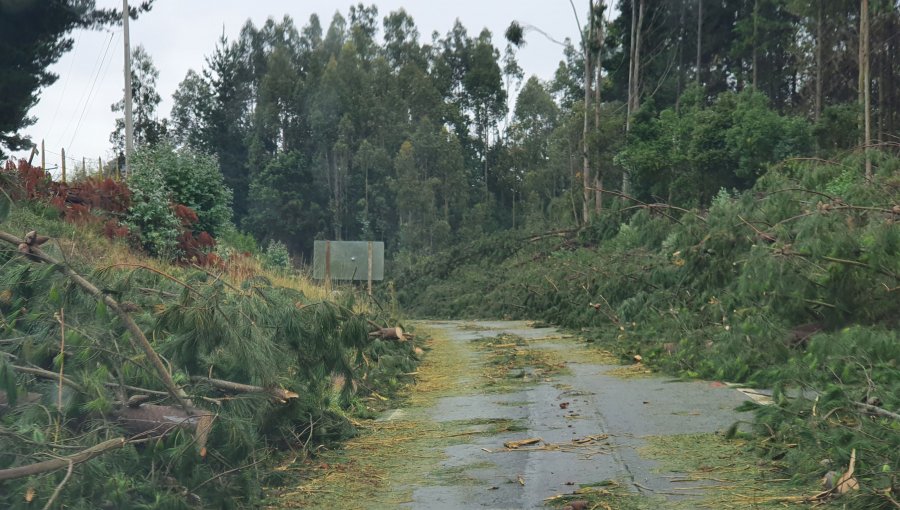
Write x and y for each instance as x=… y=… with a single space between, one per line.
x=64 y=167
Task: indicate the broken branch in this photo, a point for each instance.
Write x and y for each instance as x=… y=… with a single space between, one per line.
x=48 y=466
x=877 y=410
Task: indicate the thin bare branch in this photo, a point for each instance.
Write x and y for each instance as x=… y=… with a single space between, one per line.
x=59 y=487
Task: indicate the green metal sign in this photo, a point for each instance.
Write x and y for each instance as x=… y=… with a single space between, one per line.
x=348 y=260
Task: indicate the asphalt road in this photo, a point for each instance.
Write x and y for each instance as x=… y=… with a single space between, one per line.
x=591 y=422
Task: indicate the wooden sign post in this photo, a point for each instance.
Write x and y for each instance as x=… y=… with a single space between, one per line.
x=370 y=268
x=328 y=266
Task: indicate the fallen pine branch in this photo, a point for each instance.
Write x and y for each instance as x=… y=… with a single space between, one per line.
x=877 y=410
x=46 y=374
x=34 y=253
x=159 y=420
x=155 y=271
x=279 y=394
x=553 y=233
x=57 y=463
x=28 y=398
x=651 y=206
x=154 y=392
x=59 y=487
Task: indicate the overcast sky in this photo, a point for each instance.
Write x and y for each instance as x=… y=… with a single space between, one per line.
x=75 y=112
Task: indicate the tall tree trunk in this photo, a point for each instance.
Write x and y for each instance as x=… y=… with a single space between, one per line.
x=586 y=162
x=573 y=167
x=484 y=141
x=755 y=62
x=598 y=171
x=634 y=74
x=585 y=146
x=368 y=227
x=820 y=33
x=636 y=86
x=679 y=85
x=699 y=37
x=882 y=79
x=890 y=89
x=864 y=83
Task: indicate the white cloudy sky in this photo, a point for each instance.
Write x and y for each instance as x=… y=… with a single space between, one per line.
x=75 y=112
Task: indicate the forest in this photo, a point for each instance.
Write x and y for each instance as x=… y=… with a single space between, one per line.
x=711 y=186
x=362 y=128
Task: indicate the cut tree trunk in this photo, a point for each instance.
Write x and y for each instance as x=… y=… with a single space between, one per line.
x=157 y=420
x=395 y=333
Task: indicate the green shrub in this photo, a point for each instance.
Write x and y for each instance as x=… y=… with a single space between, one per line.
x=193 y=179
x=277 y=256
x=234 y=240
x=150 y=217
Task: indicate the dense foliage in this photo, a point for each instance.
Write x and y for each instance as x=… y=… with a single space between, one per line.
x=189 y=178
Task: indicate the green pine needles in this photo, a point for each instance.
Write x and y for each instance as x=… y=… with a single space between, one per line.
x=276 y=369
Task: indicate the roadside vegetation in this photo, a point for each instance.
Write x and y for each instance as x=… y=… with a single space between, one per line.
x=185 y=374
x=790 y=285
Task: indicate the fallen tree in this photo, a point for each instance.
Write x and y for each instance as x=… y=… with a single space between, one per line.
x=792 y=285
x=30 y=247
x=229 y=369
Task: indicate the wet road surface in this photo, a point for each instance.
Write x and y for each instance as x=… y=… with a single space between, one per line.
x=591 y=421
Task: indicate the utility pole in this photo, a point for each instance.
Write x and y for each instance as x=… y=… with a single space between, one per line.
x=129 y=141
x=43 y=157
x=62 y=155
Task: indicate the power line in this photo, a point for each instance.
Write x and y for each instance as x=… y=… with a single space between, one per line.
x=98 y=65
x=88 y=101
x=65 y=85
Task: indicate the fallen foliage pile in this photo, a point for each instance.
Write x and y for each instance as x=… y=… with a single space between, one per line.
x=793 y=285
x=142 y=385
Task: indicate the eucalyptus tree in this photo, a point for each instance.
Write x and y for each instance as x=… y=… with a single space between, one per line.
x=148 y=128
